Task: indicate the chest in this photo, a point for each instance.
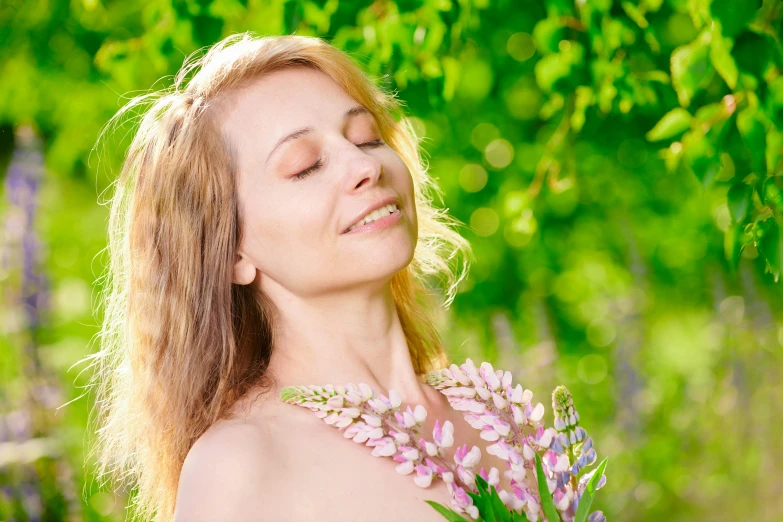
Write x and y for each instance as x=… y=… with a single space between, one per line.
x=338 y=479
x=343 y=481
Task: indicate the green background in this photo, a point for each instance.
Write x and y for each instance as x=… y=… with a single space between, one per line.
x=618 y=167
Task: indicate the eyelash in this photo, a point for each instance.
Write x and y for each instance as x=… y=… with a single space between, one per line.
x=318 y=164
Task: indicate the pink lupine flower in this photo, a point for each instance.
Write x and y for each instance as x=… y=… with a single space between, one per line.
x=406 y=468
x=443 y=436
x=384 y=446
x=503 y=413
x=423 y=477
x=492 y=477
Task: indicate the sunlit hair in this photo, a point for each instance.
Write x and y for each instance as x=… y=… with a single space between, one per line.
x=179 y=342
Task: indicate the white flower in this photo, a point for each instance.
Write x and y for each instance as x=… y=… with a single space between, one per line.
x=419 y=414
x=538 y=413
x=423 y=477
x=394 y=398
x=406 y=468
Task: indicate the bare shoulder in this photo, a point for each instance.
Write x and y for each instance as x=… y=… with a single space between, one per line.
x=232 y=472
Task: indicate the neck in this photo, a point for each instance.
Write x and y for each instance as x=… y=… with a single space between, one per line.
x=351 y=337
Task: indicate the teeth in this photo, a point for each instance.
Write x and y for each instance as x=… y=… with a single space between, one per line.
x=375 y=215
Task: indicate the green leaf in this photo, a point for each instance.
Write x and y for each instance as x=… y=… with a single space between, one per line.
x=548 y=33
x=547 y=504
x=705 y=168
x=562 y=71
x=501 y=511
x=755 y=136
x=481 y=484
x=483 y=501
x=773 y=194
x=451 y=73
x=733 y=244
x=520 y=517
x=723 y=132
x=673 y=123
x=734 y=15
x=450 y=515
x=691 y=69
x=635 y=14
x=769 y=246
x=720 y=56
x=584 y=98
x=754 y=53
x=739 y=201
x=587 y=497
x=775 y=145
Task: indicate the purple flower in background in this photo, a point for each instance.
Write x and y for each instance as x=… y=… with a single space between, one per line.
x=44 y=486
x=21 y=246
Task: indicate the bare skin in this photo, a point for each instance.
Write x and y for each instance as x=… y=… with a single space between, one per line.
x=309 y=471
x=336 y=319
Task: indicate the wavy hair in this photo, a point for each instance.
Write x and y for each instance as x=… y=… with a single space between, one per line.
x=179 y=342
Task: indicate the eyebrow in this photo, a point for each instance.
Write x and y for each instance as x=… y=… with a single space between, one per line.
x=350 y=113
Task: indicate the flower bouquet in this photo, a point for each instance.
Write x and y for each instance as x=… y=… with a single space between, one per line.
x=546 y=465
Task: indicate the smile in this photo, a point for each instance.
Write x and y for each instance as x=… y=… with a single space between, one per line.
x=390 y=211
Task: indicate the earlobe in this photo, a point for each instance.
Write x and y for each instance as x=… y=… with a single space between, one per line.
x=244 y=271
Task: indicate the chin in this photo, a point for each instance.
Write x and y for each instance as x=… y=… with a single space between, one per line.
x=382 y=268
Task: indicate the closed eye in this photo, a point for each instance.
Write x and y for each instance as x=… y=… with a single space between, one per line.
x=318 y=164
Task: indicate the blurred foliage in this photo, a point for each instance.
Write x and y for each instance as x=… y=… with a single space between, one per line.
x=619 y=166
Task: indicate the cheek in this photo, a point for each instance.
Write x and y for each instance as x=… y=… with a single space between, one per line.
x=283 y=234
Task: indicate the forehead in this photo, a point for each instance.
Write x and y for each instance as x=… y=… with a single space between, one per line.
x=282 y=101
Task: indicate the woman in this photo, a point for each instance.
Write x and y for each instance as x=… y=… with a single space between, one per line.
x=272 y=226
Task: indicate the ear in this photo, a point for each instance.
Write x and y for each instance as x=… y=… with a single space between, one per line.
x=244 y=272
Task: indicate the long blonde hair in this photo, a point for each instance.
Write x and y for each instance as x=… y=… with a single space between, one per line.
x=179 y=343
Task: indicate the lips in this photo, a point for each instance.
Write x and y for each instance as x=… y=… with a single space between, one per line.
x=374 y=206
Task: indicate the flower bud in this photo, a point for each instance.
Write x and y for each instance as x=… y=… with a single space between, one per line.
x=351 y=412
x=499 y=401
x=394 y=398
x=596 y=516
x=423 y=477
x=516 y=395
x=489 y=434
x=505 y=382
x=378 y=405
x=472 y=458
x=372 y=420
x=419 y=414
x=538 y=413
x=365 y=391
x=406 y=468
x=385 y=448
x=528 y=452
x=335 y=402
x=494 y=477
x=484 y=393
x=458 y=375
x=343 y=422
x=401 y=437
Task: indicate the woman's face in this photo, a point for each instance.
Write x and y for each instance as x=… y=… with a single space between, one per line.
x=311 y=166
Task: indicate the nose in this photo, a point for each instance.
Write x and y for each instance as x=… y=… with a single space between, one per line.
x=363 y=169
